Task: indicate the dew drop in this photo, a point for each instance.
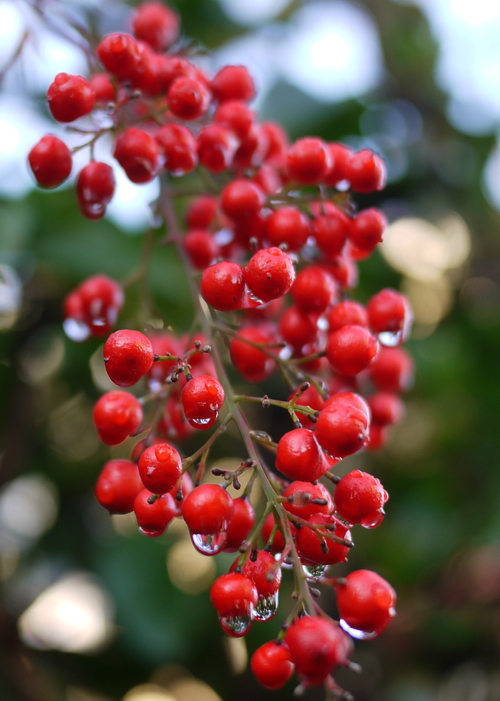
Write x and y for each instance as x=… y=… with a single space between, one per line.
x=76 y=330
x=202 y=422
x=151 y=534
x=391 y=338
x=266 y=608
x=358 y=634
x=209 y=544
x=236 y=626
x=314 y=571
x=374 y=519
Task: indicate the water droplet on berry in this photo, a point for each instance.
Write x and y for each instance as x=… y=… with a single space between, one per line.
x=151 y=534
x=314 y=571
x=209 y=544
x=266 y=608
x=76 y=330
x=236 y=626
x=358 y=634
x=391 y=338
x=374 y=519
x=202 y=422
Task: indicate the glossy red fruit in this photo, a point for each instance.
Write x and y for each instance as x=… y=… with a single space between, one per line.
x=330 y=231
x=154 y=518
x=200 y=247
x=233 y=83
x=95 y=188
x=269 y=274
x=208 y=509
x=70 y=97
x=160 y=467
x=278 y=543
x=367 y=228
x=240 y=525
x=233 y=596
x=163 y=343
x=272 y=664
x=252 y=364
x=379 y=435
x=180 y=491
x=316 y=645
x=342 y=429
x=347 y=313
x=302 y=495
x=50 y=160
x=156 y=24
x=314 y=290
x=351 y=398
x=201 y=398
x=117 y=415
x=263 y=572
x=188 y=98
x=236 y=116
x=387 y=408
x=365 y=171
x=344 y=270
x=252 y=149
x=216 y=147
x=341 y=155
x=392 y=370
x=323 y=551
x=359 y=498
x=309 y=161
x=241 y=199
x=138 y=154
x=351 y=349
x=128 y=355
x=119 y=54
x=366 y=602
x=389 y=313
x=100 y=301
x=103 y=88
x=289 y=226
x=223 y=286
x=298 y=329
x=118 y=485
x=300 y=457
x=179 y=148
x=278 y=144
x=268 y=178
x=311 y=398
x=202 y=212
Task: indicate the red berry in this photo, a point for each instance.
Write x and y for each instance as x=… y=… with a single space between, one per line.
x=163 y=344
x=302 y=494
x=298 y=329
x=351 y=349
x=342 y=429
x=156 y=24
x=240 y=524
x=344 y=270
x=278 y=543
x=366 y=602
x=269 y=274
x=95 y=188
x=392 y=370
x=359 y=498
x=103 y=88
x=311 y=398
x=236 y=116
x=117 y=415
x=317 y=646
x=268 y=178
x=153 y=518
x=264 y=573
x=347 y=313
x=341 y=155
x=179 y=148
x=201 y=398
x=278 y=144
x=100 y=301
x=138 y=154
x=346 y=397
x=272 y=664
x=323 y=551
x=188 y=98
x=119 y=54
x=313 y=290
x=252 y=149
x=208 y=509
x=379 y=435
x=365 y=171
x=389 y=311
x=309 y=161
x=201 y=212
x=70 y=97
x=186 y=487
x=117 y=486
x=200 y=247
x=216 y=148
x=233 y=83
x=300 y=457
x=223 y=286
x=50 y=160
x=366 y=229
x=160 y=467
x=288 y=225
x=233 y=597
x=330 y=231
x=241 y=199
x=387 y=408
x=128 y=356
x=252 y=364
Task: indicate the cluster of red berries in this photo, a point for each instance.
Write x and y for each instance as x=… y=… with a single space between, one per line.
x=283 y=221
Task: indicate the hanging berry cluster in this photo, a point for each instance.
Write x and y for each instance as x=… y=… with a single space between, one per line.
x=273 y=219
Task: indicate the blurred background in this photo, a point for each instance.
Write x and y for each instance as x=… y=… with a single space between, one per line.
x=92 y=611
